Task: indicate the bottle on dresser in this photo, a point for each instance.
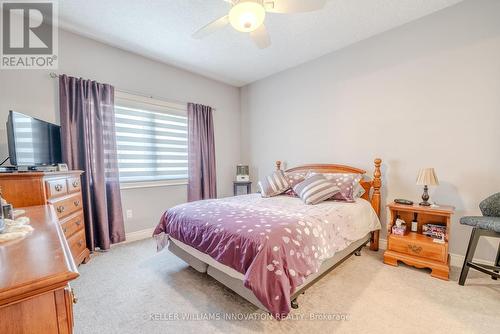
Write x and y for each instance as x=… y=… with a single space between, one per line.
x=7 y=210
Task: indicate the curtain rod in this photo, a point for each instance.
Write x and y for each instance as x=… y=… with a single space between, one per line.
x=54 y=75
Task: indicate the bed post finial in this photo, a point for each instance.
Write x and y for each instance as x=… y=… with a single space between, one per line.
x=375 y=200
x=377 y=182
x=278 y=165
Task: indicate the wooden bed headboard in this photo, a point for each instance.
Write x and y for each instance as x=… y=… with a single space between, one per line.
x=371 y=185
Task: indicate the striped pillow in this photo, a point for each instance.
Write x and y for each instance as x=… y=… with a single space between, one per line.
x=273 y=184
x=347 y=182
x=315 y=189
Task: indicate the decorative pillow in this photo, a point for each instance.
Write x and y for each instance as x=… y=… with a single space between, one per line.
x=294 y=178
x=315 y=189
x=273 y=184
x=347 y=183
x=491 y=206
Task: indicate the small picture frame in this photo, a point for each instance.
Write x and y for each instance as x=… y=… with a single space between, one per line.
x=62 y=167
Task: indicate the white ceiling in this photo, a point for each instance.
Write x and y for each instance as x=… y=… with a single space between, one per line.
x=161 y=29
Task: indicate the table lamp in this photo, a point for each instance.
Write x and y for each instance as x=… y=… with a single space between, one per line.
x=426 y=177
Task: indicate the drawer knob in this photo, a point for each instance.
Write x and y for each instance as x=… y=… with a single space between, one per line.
x=76 y=184
x=77 y=202
x=80 y=243
x=60 y=209
x=65 y=229
x=415 y=249
x=74 y=299
x=78 y=222
x=58 y=187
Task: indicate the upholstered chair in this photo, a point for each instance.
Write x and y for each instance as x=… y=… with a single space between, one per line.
x=486 y=225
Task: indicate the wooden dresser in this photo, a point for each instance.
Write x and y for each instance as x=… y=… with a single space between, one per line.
x=35 y=296
x=63 y=191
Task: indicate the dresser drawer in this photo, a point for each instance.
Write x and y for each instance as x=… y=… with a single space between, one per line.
x=70 y=225
x=56 y=188
x=67 y=205
x=77 y=243
x=421 y=247
x=74 y=184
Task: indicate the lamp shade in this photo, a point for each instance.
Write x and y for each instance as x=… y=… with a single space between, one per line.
x=427 y=177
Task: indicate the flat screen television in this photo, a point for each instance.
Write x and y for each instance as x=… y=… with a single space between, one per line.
x=33 y=142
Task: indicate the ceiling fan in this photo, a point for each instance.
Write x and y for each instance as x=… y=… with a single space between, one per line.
x=249 y=15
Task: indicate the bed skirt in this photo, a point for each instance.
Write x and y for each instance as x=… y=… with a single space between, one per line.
x=234 y=280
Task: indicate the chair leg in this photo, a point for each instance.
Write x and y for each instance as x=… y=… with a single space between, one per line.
x=497 y=262
x=474 y=238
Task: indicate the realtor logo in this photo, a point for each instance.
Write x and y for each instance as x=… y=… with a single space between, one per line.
x=29 y=35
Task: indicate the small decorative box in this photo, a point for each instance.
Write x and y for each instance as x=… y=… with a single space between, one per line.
x=399 y=227
x=399 y=230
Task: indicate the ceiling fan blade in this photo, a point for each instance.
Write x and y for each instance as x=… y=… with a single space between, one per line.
x=261 y=37
x=293 y=6
x=211 y=27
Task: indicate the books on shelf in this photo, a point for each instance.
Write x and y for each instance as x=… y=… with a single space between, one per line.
x=434 y=231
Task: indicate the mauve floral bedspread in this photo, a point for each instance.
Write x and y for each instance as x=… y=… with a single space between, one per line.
x=274 y=242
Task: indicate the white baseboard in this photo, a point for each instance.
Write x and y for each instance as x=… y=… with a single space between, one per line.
x=139 y=235
x=456 y=260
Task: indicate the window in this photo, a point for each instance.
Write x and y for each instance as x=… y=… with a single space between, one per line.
x=151 y=138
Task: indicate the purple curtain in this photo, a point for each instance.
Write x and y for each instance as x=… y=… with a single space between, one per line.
x=89 y=144
x=201 y=156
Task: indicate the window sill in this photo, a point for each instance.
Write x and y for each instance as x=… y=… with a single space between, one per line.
x=152 y=184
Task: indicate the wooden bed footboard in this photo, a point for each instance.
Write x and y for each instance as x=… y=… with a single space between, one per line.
x=372 y=186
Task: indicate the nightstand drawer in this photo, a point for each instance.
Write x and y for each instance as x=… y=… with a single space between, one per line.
x=418 y=245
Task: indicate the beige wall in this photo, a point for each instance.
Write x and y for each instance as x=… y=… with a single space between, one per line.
x=425 y=94
x=33 y=92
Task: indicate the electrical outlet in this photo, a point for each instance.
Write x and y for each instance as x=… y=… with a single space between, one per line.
x=129 y=214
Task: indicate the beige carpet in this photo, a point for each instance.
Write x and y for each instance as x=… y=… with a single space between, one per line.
x=133 y=289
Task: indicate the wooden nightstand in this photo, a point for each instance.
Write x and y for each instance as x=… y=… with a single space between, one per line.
x=414 y=248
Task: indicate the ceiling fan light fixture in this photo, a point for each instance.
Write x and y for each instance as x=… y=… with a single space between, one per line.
x=246 y=16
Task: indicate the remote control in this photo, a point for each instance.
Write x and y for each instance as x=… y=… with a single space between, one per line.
x=403 y=201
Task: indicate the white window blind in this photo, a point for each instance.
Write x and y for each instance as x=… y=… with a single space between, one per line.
x=151 y=138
